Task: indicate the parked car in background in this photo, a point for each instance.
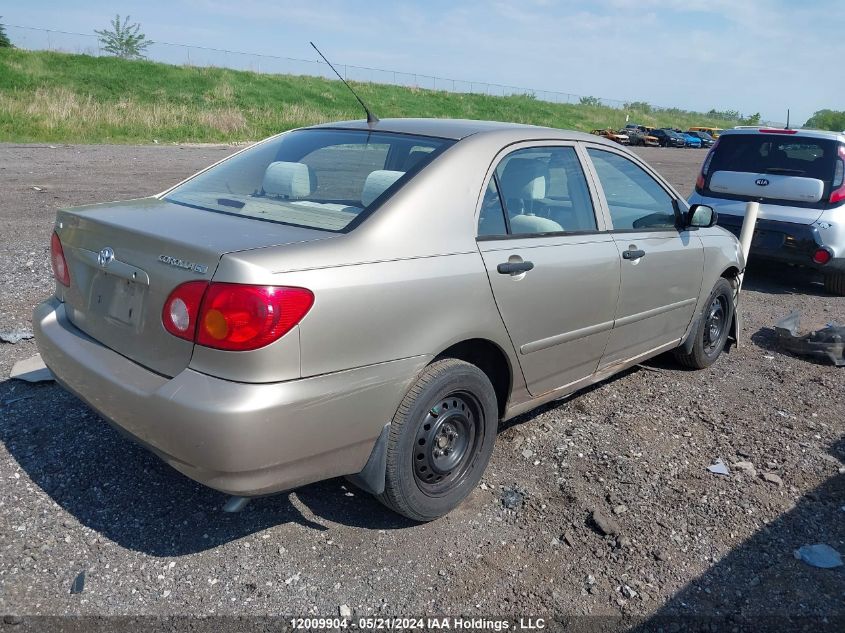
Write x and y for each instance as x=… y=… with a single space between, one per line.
x=798 y=177
x=617 y=137
x=668 y=138
x=714 y=132
x=641 y=135
x=690 y=140
x=372 y=299
x=704 y=137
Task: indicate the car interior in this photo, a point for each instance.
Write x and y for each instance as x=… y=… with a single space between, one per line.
x=544 y=191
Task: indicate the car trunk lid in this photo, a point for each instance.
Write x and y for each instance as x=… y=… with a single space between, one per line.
x=125 y=258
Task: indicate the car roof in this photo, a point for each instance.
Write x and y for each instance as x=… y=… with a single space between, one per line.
x=456 y=129
x=806 y=133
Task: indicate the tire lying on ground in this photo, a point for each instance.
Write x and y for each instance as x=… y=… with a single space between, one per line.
x=440 y=440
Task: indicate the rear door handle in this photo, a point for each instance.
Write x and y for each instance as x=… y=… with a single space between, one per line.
x=514 y=268
x=633 y=254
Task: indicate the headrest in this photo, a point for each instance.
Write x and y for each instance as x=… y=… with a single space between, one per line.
x=533 y=224
x=524 y=178
x=377 y=183
x=414 y=157
x=290 y=180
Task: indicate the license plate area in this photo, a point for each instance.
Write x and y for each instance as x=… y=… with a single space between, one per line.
x=768 y=240
x=117 y=300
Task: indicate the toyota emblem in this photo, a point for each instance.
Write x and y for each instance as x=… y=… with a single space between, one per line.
x=105 y=257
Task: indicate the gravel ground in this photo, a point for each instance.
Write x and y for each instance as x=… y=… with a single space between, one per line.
x=634 y=450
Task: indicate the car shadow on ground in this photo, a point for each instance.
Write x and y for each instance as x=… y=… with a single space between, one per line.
x=119 y=489
x=112 y=485
x=776 y=278
x=759 y=585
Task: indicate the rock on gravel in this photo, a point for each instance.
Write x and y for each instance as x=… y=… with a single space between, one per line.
x=605 y=524
x=772 y=478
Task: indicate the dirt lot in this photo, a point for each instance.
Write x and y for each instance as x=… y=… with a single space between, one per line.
x=76 y=496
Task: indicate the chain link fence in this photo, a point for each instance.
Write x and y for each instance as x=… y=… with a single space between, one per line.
x=181 y=54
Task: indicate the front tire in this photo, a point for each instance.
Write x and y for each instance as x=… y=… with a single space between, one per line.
x=713 y=329
x=834 y=283
x=440 y=440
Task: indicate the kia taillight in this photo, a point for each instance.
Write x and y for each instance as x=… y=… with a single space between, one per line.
x=705 y=167
x=234 y=317
x=837 y=193
x=58 y=261
x=822 y=256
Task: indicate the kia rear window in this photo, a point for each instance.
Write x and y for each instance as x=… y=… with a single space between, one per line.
x=318 y=178
x=770 y=154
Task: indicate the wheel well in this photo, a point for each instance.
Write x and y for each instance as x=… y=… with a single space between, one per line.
x=490 y=359
x=731 y=273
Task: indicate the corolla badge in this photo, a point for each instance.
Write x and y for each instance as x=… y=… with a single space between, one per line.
x=762 y=182
x=105 y=256
x=181 y=263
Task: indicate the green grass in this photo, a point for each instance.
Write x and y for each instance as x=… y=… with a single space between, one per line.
x=56 y=97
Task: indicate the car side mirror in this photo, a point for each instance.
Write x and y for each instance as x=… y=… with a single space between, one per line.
x=701 y=216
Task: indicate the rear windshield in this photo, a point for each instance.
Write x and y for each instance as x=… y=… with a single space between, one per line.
x=772 y=154
x=319 y=178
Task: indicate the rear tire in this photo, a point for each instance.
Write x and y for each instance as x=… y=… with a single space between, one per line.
x=440 y=440
x=713 y=328
x=834 y=283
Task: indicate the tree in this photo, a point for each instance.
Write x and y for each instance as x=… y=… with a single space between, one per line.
x=827 y=120
x=4 y=39
x=124 y=40
x=590 y=101
x=639 y=106
x=751 y=119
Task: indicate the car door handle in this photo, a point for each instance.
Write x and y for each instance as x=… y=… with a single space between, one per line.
x=514 y=268
x=633 y=254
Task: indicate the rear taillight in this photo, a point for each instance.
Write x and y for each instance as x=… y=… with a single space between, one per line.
x=234 y=317
x=777 y=131
x=705 y=167
x=58 y=261
x=822 y=256
x=837 y=193
x=182 y=309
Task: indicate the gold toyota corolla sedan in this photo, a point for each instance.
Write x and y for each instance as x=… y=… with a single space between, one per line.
x=370 y=300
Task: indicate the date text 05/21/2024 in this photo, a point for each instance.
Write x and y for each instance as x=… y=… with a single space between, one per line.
x=424 y=623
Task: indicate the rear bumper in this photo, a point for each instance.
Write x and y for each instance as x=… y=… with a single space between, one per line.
x=786 y=242
x=240 y=438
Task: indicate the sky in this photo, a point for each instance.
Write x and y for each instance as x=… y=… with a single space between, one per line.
x=747 y=55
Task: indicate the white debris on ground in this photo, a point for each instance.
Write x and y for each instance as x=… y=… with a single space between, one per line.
x=32 y=369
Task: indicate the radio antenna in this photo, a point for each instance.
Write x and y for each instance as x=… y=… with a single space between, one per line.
x=371 y=118
x=787 y=118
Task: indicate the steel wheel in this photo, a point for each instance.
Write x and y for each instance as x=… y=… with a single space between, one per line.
x=446 y=441
x=715 y=324
x=440 y=440
x=707 y=340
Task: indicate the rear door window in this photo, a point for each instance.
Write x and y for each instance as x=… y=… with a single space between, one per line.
x=544 y=190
